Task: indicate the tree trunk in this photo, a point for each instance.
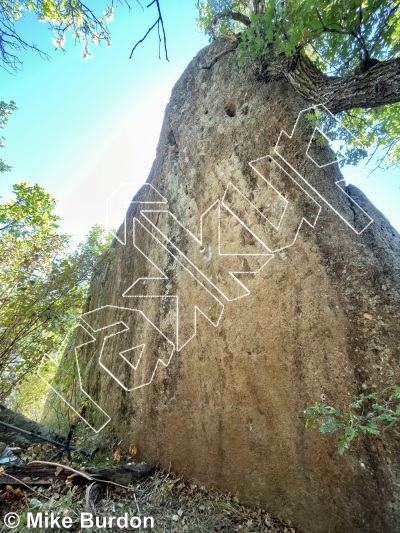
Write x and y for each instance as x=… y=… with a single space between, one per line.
x=372 y=87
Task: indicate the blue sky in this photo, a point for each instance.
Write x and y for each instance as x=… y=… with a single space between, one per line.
x=83 y=128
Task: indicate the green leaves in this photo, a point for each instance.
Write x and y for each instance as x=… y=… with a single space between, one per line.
x=86 y=25
x=329 y=427
x=225 y=25
x=341 y=38
x=378 y=129
x=337 y=35
x=30 y=213
x=5 y=112
x=43 y=287
x=367 y=415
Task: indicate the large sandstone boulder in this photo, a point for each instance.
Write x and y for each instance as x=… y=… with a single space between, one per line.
x=241 y=361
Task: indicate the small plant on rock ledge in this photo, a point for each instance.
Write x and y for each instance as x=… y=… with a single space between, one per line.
x=370 y=414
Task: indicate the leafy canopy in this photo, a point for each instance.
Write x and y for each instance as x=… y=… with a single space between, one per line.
x=88 y=24
x=43 y=287
x=340 y=37
x=5 y=111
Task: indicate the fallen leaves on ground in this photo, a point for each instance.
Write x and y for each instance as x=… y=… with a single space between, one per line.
x=175 y=504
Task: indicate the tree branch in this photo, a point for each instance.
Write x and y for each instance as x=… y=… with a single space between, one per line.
x=220 y=55
x=10 y=41
x=259 y=7
x=239 y=17
x=159 y=22
x=364 y=88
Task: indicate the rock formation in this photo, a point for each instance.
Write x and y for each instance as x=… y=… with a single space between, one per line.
x=12 y=437
x=209 y=372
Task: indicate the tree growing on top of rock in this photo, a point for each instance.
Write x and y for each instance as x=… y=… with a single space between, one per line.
x=344 y=54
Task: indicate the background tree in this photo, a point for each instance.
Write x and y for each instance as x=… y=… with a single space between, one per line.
x=5 y=111
x=88 y=24
x=43 y=287
x=344 y=54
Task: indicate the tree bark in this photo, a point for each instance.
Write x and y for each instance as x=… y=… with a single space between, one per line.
x=365 y=88
x=42 y=473
x=239 y=17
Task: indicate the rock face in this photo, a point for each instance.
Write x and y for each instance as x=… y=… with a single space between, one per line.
x=318 y=318
x=12 y=437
